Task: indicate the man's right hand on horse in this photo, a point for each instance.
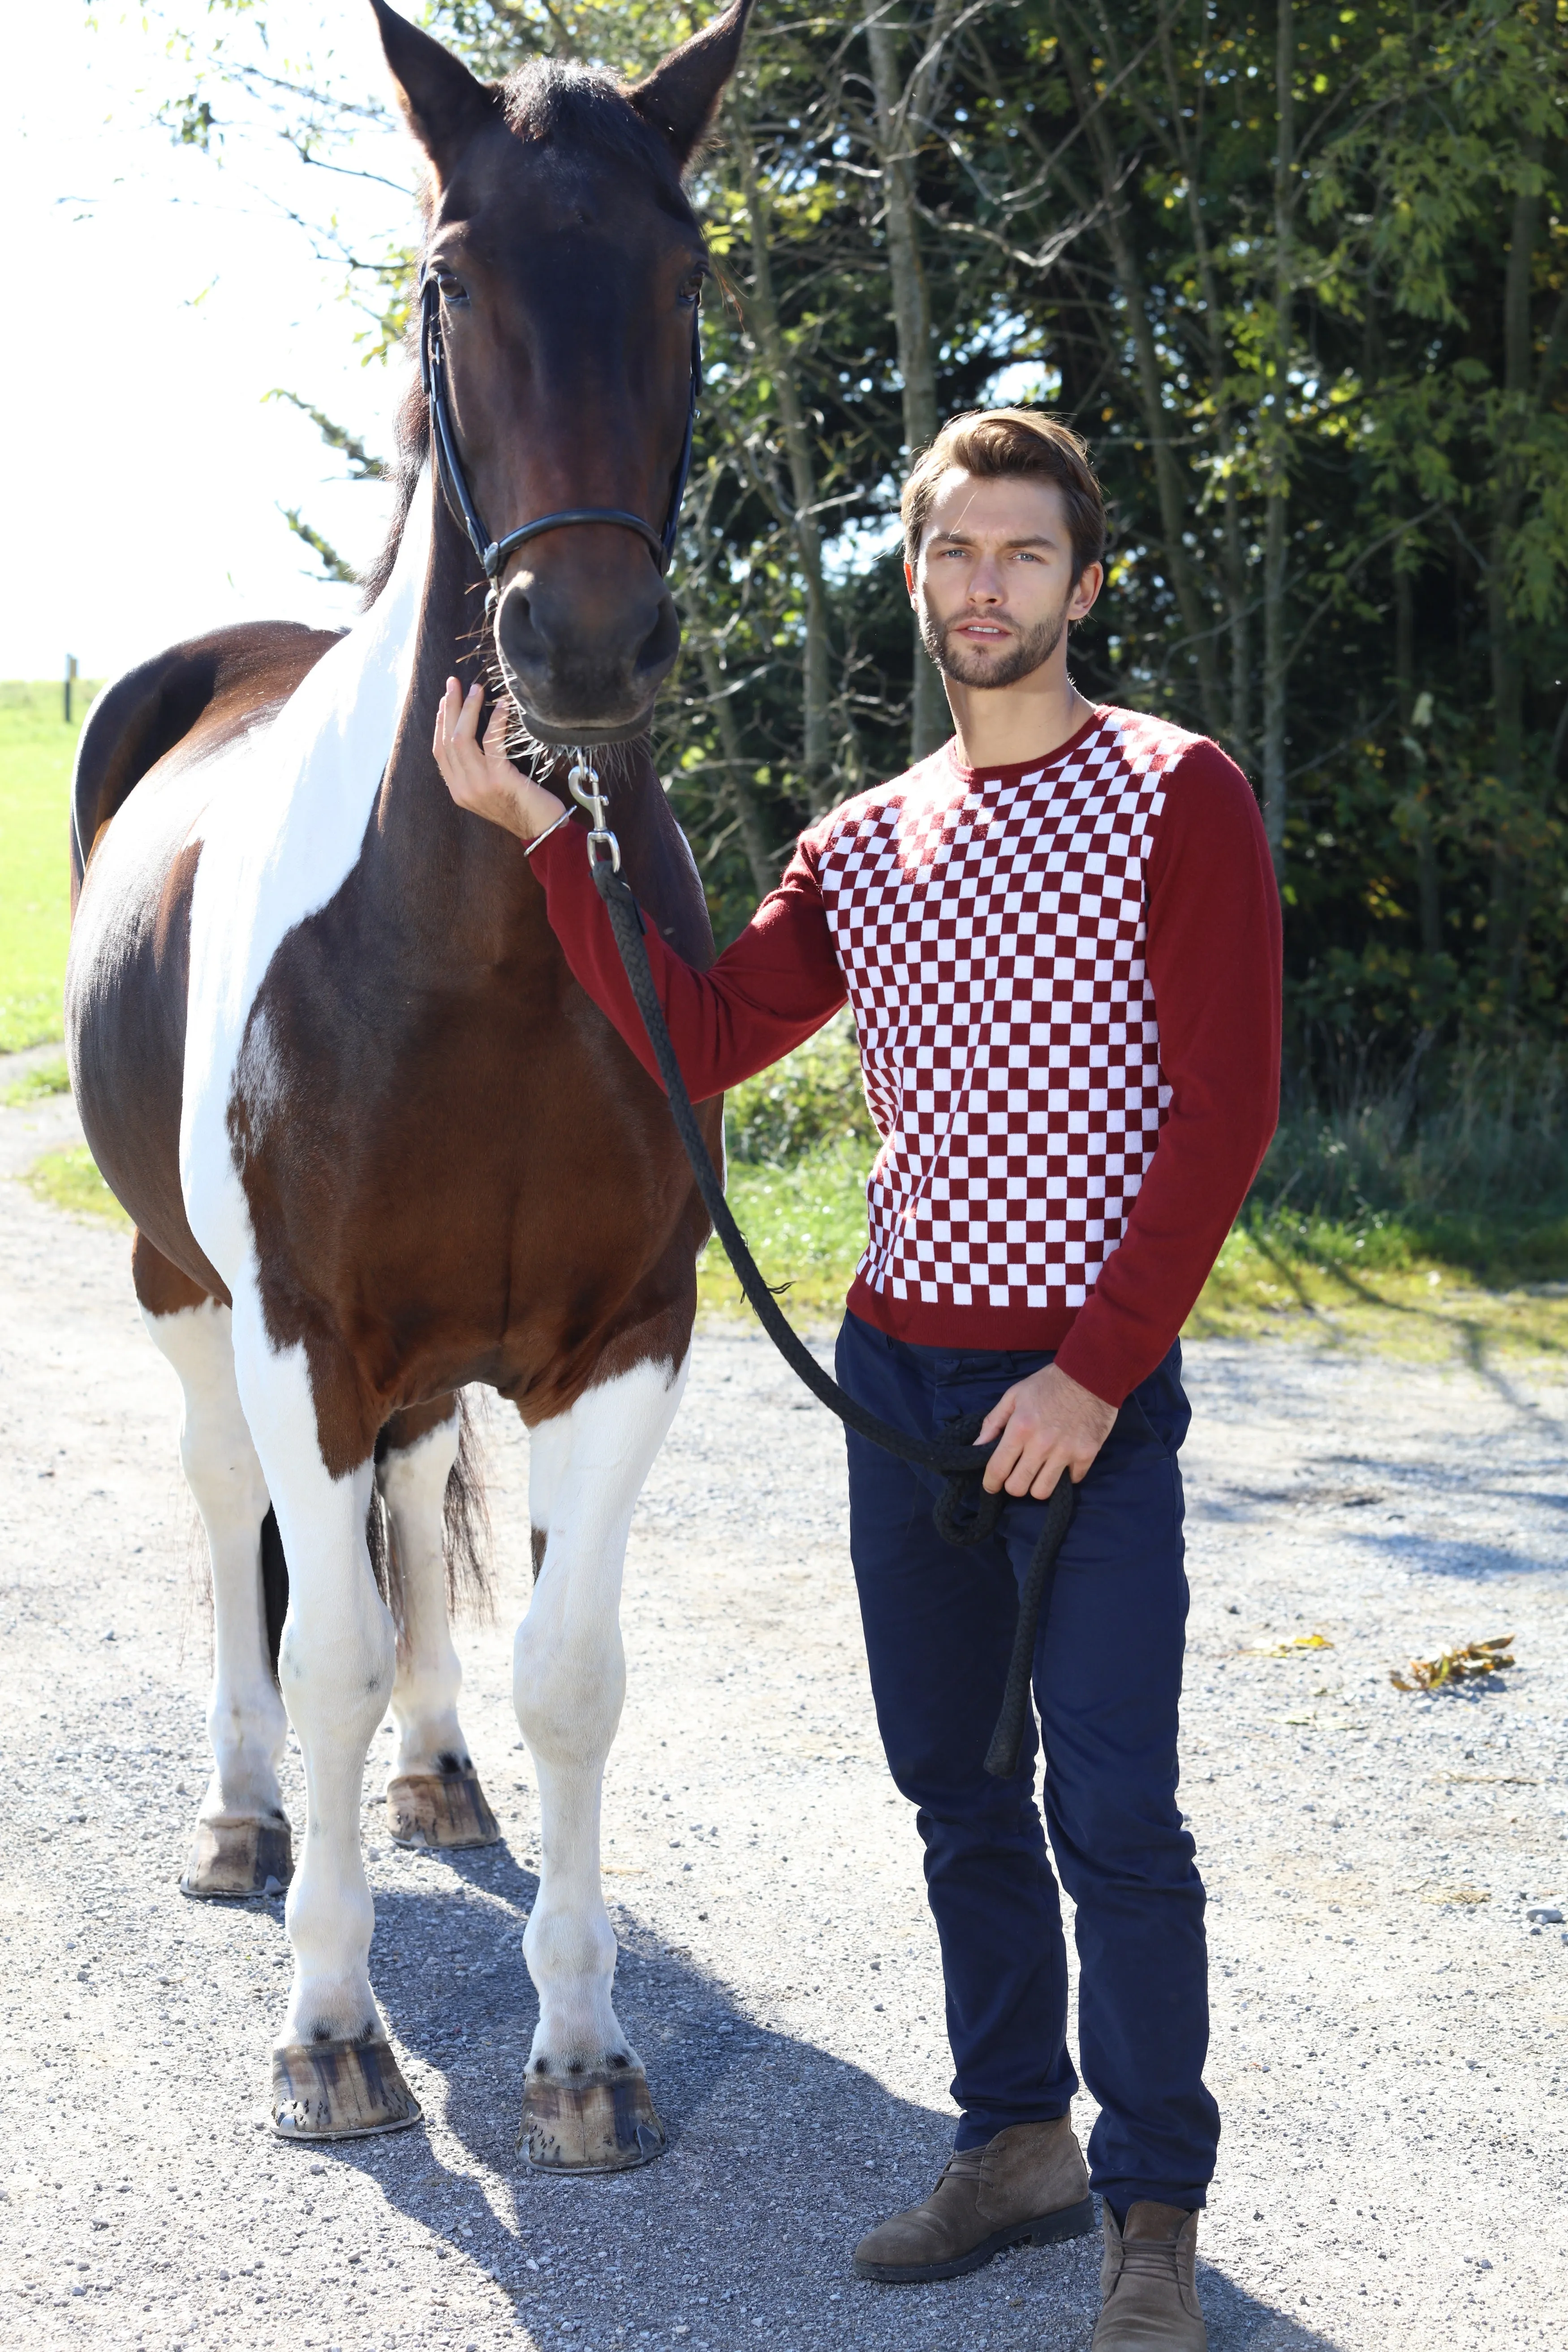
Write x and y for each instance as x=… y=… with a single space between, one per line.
x=478 y=776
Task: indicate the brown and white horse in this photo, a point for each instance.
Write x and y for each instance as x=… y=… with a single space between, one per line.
x=375 y=1142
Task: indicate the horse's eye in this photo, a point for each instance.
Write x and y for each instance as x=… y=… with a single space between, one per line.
x=451 y=289
x=691 y=289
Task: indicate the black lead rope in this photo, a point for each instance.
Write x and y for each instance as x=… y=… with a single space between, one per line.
x=959 y=1462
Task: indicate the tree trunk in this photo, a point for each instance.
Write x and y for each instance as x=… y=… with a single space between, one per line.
x=896 y=112
x=1277 y=477
x=1507 y=913
x=737 y=784
x=1186 y=129
x=784 y=375
x=1196 y=619
x=1417 y=789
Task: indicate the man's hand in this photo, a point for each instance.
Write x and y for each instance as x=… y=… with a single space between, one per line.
x=1044 y=1425
x=479 y=776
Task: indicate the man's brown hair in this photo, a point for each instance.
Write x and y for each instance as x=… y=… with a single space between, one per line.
x=989 y=441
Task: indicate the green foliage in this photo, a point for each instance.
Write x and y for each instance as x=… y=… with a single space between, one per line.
x=1462 y=1158
x=1427 y=1217
x=810 y=1102
x=362 y=466
x=36 y=1084
x=70 y=1180
x=805 y=1225
x=1302 y=275
x=36 y=749
x=336 y=566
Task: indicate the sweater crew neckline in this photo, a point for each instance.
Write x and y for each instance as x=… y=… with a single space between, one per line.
x=1013 y=773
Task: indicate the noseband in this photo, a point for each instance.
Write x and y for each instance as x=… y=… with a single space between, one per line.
x=493 y=553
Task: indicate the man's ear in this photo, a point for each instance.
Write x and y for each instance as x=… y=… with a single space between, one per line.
x=1085 y=589
x=681 y=96
x=443 y=102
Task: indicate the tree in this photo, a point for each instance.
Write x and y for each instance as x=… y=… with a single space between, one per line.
x=1300 y=273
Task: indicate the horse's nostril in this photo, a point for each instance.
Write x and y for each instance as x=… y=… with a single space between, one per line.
x=662 y=643
x=519 y=638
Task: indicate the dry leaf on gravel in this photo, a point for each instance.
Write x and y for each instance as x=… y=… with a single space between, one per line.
x=1293 y=1648
x=1457 y=1665
x=1458 y=1895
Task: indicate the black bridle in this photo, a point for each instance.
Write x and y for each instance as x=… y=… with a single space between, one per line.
x=493 y=553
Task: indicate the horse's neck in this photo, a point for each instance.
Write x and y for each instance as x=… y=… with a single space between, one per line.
x=463 y=886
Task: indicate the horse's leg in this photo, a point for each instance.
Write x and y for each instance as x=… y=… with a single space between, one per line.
x=333 y=2073
x=241 y=1844
x=433 y=1797
x=585 y=2106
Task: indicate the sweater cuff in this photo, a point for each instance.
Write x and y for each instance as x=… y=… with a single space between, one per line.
x=1090 y=1356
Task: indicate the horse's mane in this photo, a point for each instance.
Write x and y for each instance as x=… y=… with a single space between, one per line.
x=411 y=442
x=542 y=101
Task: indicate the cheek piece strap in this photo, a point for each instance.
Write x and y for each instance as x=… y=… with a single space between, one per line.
x=493 y=553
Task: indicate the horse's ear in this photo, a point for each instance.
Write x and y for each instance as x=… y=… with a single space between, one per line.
x=441 y=98
x=681 y=96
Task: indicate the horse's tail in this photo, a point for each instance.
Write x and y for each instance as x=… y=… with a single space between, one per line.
x=274 y=1584
x=466 y=1528
x=466 y=1518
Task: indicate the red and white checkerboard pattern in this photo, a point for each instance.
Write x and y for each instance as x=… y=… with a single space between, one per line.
x=992 y=935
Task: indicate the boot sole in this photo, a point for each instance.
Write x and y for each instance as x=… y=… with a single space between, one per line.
x=1050 y=2230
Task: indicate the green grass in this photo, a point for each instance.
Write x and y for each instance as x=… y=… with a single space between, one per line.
x=36 y=749
x=1323 y=1283
x=1421 y=1282
x=1276 y=1278
x=36 y=1084
x=69 y=1180
x=807 y=1227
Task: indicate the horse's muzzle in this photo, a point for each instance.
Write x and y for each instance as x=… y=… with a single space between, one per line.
x=584 y=648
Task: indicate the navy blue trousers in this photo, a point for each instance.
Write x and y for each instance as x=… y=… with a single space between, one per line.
x=1108 y=1677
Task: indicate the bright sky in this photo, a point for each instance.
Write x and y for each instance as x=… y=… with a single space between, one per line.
x=155 y=297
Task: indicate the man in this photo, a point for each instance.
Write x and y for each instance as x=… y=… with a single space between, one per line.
x=1059 y=936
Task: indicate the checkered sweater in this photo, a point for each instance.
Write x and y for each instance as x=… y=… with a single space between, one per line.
x=1064 y=979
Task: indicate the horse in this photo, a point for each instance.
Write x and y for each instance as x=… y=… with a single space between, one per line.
x=376 y=1145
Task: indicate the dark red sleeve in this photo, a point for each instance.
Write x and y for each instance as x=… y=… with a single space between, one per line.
x=1213 y=962
x=770 y=989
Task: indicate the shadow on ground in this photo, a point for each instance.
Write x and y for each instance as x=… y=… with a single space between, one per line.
x=781 y=2156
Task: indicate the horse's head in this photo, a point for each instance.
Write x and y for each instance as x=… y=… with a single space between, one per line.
x=566 y=266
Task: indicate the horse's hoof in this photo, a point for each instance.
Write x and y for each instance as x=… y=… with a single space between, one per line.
x=232 y=1859
x=439 y=1809
x=597 y=2122
x=339 y=2090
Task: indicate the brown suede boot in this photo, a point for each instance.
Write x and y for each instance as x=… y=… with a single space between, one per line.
x=1147 y=2284
x=1029 y=2185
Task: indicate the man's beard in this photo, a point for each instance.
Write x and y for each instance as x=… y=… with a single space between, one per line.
x=971 y=669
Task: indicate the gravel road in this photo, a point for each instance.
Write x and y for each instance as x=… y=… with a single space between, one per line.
x=1388 y=2045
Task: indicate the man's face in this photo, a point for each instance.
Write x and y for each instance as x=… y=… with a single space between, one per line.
x=993 y=586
